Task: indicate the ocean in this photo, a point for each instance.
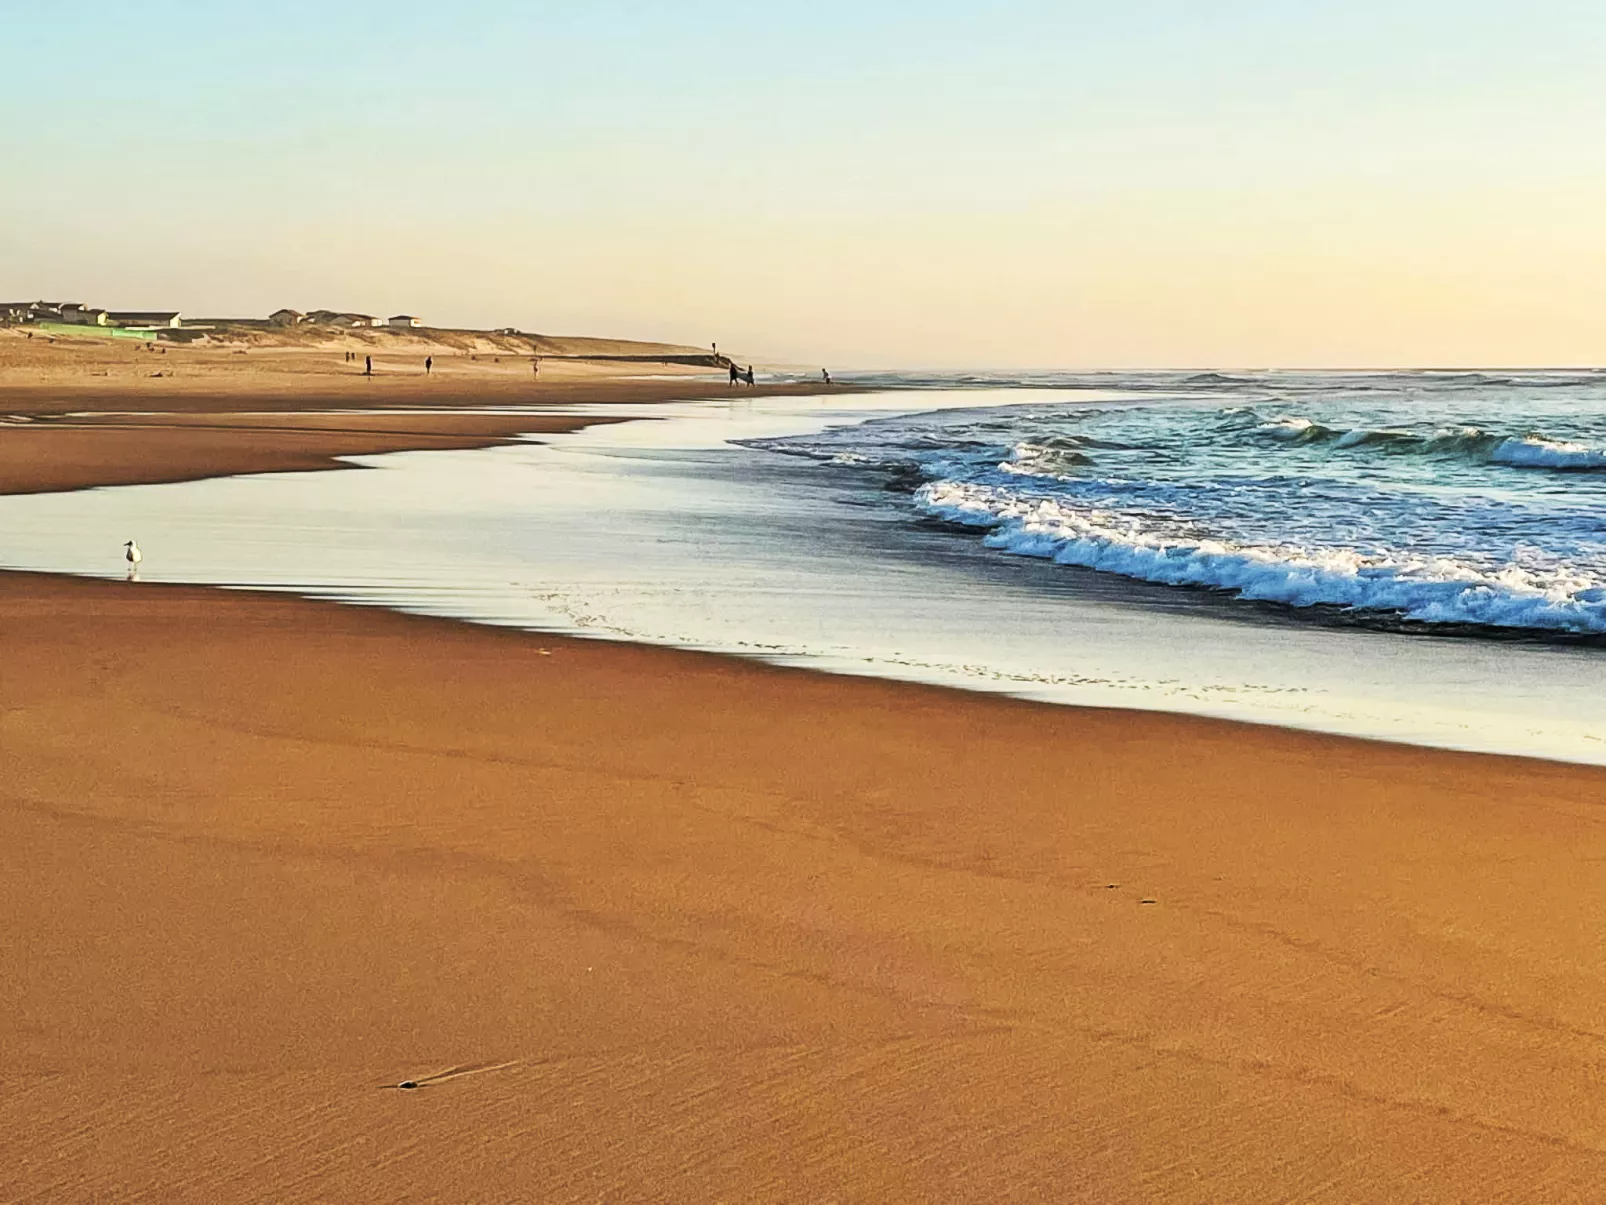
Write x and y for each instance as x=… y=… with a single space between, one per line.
x=1434 y=500
x=1416 y=557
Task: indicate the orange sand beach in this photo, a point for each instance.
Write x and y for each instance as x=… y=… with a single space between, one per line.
x=649 y=925
x=76 y=413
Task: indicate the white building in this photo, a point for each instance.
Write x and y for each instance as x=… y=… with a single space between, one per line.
x=341 y=318
x=142 y=319
x=83 y=315
x=404 y=320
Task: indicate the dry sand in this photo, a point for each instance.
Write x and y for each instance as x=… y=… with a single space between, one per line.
x=654 y=925
x=80 y=412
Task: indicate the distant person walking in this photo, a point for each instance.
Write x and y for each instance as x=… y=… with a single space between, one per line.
x=748 y=376
x=367 y=366
x=429 y=365
x=735 y=375
x=535 y=366
x=826 y=375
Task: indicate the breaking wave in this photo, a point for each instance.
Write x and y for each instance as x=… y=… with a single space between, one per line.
x=1057 y=455
x=1534 y=452
x=1531 y=451
x=1452 y=499
x=1427 y=589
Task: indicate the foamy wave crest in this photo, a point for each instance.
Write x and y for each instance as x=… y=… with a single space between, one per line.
x=1361 y=436
x=1429 y=590
x=1295 y=430
x=1535 y=452
x=1052 y=457
x=1467 y=443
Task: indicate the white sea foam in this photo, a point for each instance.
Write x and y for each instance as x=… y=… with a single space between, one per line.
x=1535 y=452
x=1049 y=458
x=1291 y=427
x=1428 y=589
x=1471 y=443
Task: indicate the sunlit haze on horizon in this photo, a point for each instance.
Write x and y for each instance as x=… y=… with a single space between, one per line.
x=1157 y=184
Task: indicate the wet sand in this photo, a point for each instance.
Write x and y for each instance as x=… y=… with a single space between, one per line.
x=68 y=456
x=83 y=412
x=653 y=925
x=644 y=924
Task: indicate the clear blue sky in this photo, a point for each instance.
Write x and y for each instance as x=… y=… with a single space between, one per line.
x=1151 y=183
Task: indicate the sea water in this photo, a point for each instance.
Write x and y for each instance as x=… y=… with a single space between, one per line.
x=1455 y=500
x=1186 y=553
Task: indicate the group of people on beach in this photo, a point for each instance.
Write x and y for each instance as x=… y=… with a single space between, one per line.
x=535 y=366
x=738 y=375
x=745 y=375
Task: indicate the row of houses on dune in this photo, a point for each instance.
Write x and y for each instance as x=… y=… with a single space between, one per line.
x=336 y=318
x=73 y=313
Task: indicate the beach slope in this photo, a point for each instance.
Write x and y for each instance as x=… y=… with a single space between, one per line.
x=643 y=924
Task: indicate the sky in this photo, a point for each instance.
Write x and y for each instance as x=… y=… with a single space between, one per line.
x=1149 y=184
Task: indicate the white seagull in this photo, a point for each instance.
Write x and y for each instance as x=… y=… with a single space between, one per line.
x=132 y=554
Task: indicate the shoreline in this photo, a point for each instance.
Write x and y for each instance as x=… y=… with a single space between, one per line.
x=1102 y=643
x=66 y=444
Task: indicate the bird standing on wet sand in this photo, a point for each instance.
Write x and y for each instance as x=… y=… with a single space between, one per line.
x=133 y=556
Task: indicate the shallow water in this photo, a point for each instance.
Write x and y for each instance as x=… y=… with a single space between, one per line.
x=663 y=530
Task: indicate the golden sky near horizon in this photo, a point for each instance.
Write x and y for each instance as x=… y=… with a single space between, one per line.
x=1035 y=185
